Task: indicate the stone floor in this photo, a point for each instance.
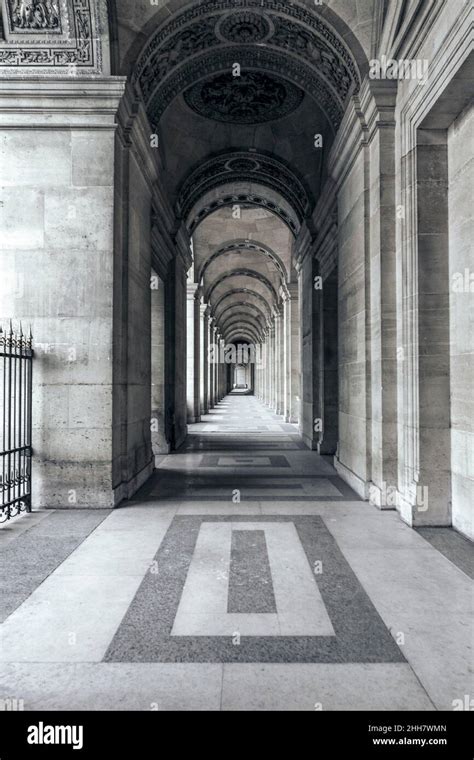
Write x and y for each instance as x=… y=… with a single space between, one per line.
x=245 y=575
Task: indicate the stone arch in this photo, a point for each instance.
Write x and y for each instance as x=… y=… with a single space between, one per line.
x=244 y=166
x=247 y=305
x=242 y=273
x=245 y=194
x=248 y=245
x=247 y=291
x=240 y=319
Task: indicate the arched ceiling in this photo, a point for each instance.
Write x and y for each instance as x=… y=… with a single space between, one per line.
x=245 y=194
x=285 y=51
x=246 y=97
x=221 y=79
x=242 y=279
x=237 y=166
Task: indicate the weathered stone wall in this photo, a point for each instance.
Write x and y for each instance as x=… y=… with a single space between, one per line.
x=138 y=324
x=353 y=321
x=159 y=443
x=461 y=182
x=430 y=337
x=57 y=252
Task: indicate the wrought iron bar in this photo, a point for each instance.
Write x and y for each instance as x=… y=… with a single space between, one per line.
x=16 y=371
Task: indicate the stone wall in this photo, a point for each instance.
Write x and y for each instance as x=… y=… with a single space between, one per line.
x=353 y=324
x=461 y=277
x=138 y=325
x=57 y=250
x=159 y=443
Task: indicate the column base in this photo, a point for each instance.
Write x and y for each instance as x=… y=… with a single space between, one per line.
x=326 y=449
x=383 y=499
x=360 y=486
x=128 y=489
x=311 y=443
x=414 y=510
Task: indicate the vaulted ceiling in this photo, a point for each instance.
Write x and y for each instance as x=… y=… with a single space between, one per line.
x=246 y=97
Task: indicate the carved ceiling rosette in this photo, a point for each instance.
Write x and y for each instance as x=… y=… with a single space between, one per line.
x=253 y=97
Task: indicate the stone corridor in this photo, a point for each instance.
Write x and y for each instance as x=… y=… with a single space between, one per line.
x=244 y=575
x=237 y=359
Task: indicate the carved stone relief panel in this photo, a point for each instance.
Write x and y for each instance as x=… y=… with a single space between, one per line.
x=40 y=15
x=50 y=35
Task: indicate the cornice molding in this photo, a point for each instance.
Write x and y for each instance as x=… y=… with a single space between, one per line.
x=75 y=103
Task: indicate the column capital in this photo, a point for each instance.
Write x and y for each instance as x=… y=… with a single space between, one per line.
x=373 y=107
x=192 y=290
x=378 y=98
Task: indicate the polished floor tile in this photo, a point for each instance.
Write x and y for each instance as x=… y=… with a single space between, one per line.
x=245 y=574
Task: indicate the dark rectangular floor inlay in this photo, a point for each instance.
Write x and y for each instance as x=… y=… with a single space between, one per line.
x=29 y=558
x=213 y=460
x=458 y=549
x=250 y=578
x=145 y=632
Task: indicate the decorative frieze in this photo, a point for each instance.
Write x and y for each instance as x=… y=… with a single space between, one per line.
x=50 y=34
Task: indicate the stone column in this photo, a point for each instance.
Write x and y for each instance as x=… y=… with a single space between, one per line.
x=295 y=357
x=217 y=338
x=310 y=288
x=267 y=366
x=279 y=364
x=204 y=322
x=59 y=155
x=258 y=371
x=286 y=357
x=291 y=359
x=176 y=339
x=211 y=362
x=379 y=107
x=219 y=370
x=271 y=366
x=158 y=434
x=192 y=352
x=223 y=388
x=328 y=385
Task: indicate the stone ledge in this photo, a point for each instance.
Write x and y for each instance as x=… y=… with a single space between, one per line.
x=90 y=102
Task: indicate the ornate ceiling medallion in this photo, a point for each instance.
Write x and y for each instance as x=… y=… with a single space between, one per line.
x=242 y=165
x=244 y=27
x=252 y=98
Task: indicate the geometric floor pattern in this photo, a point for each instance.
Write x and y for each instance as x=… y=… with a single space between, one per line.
x=244 y=575
x=322 y=613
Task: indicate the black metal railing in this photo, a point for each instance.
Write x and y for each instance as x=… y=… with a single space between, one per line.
x=16 y=368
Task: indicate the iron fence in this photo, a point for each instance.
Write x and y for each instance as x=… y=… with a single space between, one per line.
x=16 y=368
